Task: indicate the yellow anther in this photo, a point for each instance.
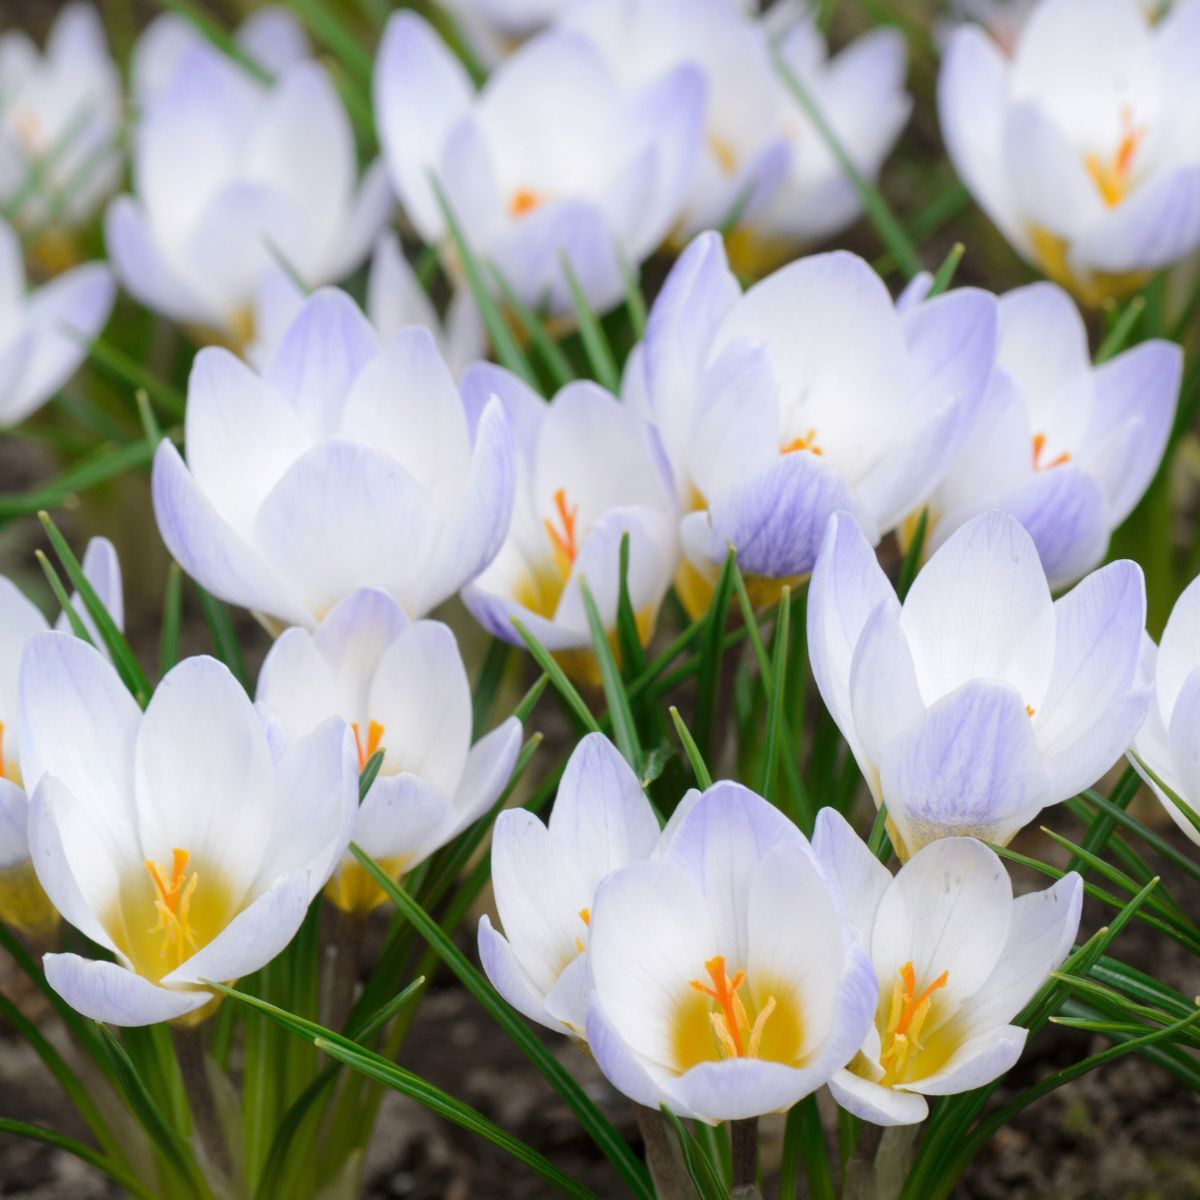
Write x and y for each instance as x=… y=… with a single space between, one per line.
x=173 y=902
x=907 y=1015
x=736 y=1035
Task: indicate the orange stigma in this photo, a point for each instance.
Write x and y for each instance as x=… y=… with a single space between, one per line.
x=908 y=1014
x=807 y=442
x=1029 y=710
x=1112 y=178
x=1039 y=445
x=173 y=901
x=367 y=751
x=523 y=201
x=737 y=1036
x=585 y=915
x=563 y=535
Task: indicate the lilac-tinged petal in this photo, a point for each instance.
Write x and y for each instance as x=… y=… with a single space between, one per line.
x=775 y=521
x=209 y=550
x=858 y=875
x=253 y=938
x=879 y=1105
x=969 y=767
x=489 y=766
x=404 y=817
x=1097 y=644
x=107 y=992
x=508 y=977
x=623 y=1067
x=847 y=586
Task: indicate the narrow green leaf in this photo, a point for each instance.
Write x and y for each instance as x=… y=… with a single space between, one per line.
x=105 y=463
x=93 y=1158
x=219 y=37
x=129 y=371
x=368 y=774
x=694 y=757
x=550 y=352
x=565 y=688
x=224 y=640
x=1122 y=329
x=629 y=640
x=778 y=689
x=168 y=640
x=505 y=345
x=329 y=25
x=711 y=653
x=590 y=1117
x=874 y=205
x=945 y=273
x=624 y=726
x=78 y=628
x=114 y=641
x=591 y=333
x=803 y=1136
x=912 y=556
x=699 y=1166
x=635 y=302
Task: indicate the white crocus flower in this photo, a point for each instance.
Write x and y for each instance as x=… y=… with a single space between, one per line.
x=860 y=93
x=980 y=700
x=807 y=394
x=44 y=333
x=60 y=117
x=271 y=37
x=552 y=159
x=1067 y=448
x=1165 y=749
x=23 y=903
x=403 y=690
x=395 y=298
x=709 y=994
x=956 y=958
x=1084 y=148
x=545 y=879
x=345 y=464
x=172 y=838
x=744 y=153
x=588 y=474
x=231 y=175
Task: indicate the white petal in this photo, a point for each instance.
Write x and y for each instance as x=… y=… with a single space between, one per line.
x=107 y=992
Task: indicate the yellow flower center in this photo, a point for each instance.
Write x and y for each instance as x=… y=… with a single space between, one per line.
x=8 y=767
x=909 y=1012
x=807 y=442
x=367 y=749
x=730 y=1016
x=1113 y=176
x=163 y=915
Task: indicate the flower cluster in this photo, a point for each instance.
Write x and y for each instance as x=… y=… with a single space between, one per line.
x=524 y=327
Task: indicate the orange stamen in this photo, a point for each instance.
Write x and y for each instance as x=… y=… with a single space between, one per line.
x=807 y=442
x=730 y=1022
x=523 y=201
x=1039 y=445
x=1029 y=710
x=1112 y=177
x=374 y=737
x=173 y=899
x=563 y=539
x=585 y=915
x=907 y=1016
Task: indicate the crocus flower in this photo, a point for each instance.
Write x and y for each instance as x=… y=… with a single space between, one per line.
x=860 y=94
x=807 y=394
x=552 y=160
x=343 y=465
x=270 y=37
x=172 y=838
x=60 y=115
x=403 y=690
x=956 y=957
x=545 y=879
x=23 y=903
x=710 y=994
x=395 y=298
x=232 y=174
x=1084 y=148
x=980 y=700
x=744 y=150
x=44 y=333
x=1165 y=749
x=587 y=475
x=1067 y=448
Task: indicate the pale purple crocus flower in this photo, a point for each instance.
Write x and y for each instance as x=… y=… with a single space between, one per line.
x=979 y=700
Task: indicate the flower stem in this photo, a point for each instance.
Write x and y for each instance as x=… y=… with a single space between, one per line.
x=348 y=935
x=743 y=1142
x=668 y=1172
x=189 y=1052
